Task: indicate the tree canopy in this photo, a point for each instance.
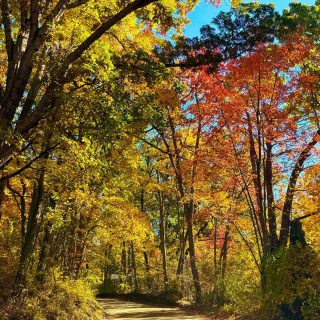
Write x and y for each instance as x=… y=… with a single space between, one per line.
x=135 y=160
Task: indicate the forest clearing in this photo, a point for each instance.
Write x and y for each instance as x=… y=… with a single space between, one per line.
x=163 y=149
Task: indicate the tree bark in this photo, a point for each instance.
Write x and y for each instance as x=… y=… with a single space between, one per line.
x=182 y=256
x=43 y=255
x=2 y=197
x=124 y=259
x=134 y=267
x=270 y=199
x=31 y=233
x=189 y=208
x=256 y=177
x=215 y=245
x=224 y=252
x=163 y=248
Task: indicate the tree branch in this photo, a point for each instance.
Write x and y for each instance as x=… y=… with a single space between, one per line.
x=153 y=145
x=308 y=215
x=98 y=33
x=28 y=165
x=298 y=168
x=76 y=4
x=7 y=28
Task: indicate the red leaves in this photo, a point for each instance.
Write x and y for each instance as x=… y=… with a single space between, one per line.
x=265 y=87
x=264 y=82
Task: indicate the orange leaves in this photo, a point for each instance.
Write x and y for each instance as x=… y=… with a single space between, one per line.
x=261 y=84
x=250 y=104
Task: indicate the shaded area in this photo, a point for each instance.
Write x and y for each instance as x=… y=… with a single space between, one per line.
x=121 y=310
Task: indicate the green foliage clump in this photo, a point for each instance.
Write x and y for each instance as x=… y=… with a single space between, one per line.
x=242 y=287
x=293 y=281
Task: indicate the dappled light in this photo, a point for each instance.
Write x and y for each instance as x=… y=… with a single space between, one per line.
x=121 y=309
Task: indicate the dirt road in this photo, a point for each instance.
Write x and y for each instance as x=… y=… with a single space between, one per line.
x=127 y=310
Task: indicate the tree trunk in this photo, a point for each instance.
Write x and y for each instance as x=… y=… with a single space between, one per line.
x=256 y=177
x=134 y=267
x=188 y=208
x=270 y=199
x=163 y=239
x=124 y=259
x=224 y=252
x=43 y=255
x=130 y=266
x=146 y=261
x=182 y=255
x=2 y=196
x=145 y=253
x=215 y=245
x=31 y=233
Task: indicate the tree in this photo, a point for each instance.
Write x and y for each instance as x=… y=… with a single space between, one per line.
x=39 y=73
x=260 y=88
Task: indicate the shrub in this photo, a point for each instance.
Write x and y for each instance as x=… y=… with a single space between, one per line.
x=63 y=299
x=293 y=282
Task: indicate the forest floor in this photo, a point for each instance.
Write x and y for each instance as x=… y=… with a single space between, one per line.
x=125 y=310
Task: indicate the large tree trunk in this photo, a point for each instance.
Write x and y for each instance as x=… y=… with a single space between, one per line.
x=30 y=236
x=270 y=199
x=43 y=255
x=221 y=269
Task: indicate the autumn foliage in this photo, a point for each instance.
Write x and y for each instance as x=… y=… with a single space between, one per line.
x=136 y=161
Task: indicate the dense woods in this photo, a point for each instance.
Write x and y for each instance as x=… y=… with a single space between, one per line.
x=136 y=160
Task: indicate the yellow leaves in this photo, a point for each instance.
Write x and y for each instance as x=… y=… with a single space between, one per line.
x=308 y=203
x=169 y=5
x=166 y=95
x=125 y=222
x=235 y=3
x=152 y=186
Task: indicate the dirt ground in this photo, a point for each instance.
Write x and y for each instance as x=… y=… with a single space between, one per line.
x=125 y=310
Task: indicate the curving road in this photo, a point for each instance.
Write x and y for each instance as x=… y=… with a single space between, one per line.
x=125 y=310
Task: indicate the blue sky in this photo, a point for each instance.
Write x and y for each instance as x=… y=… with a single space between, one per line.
x=204 y=13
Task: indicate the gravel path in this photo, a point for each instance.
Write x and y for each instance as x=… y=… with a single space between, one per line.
x=125 y=310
